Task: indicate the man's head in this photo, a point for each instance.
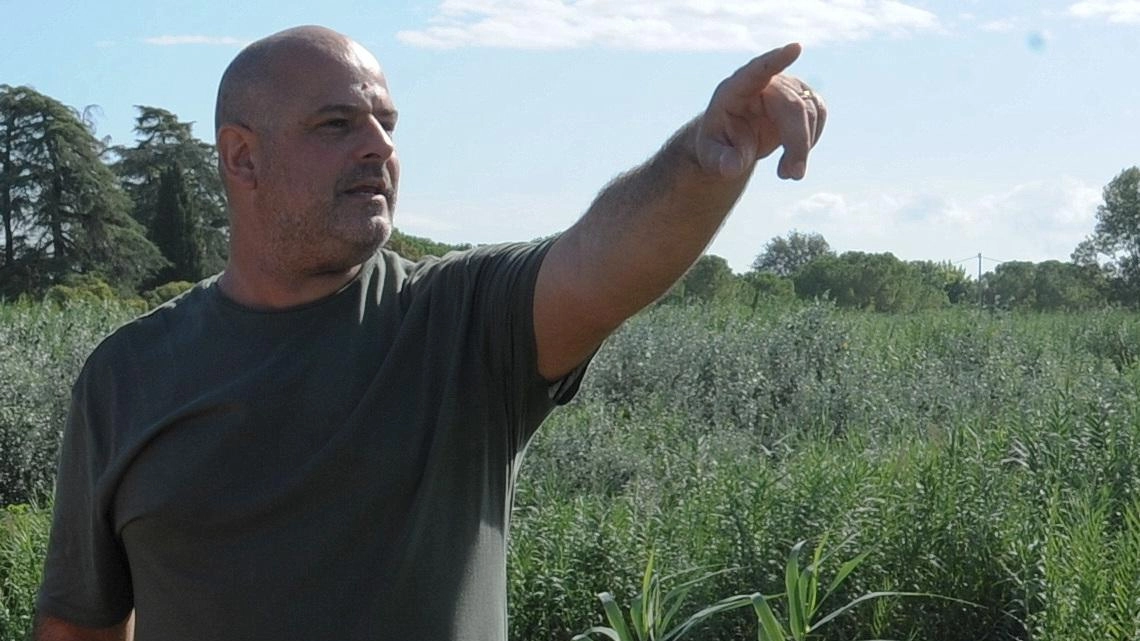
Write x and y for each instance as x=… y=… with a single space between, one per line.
x=304 y=127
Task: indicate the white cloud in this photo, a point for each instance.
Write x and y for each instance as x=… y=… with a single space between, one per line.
x=167 y=41
x=688 y=25
x=1035 y=221
x=1116 y=11
x=1003 y=25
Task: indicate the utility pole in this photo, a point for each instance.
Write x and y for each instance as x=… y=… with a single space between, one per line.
x=979 y=280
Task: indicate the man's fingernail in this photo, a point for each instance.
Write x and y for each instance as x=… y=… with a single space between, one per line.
x=798 y=170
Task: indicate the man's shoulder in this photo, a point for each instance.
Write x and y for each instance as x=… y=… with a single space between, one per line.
x=144 y=333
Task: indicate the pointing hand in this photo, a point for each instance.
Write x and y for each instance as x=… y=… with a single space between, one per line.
x=757 y=110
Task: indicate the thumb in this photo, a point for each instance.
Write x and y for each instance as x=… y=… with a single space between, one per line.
x=719 y=159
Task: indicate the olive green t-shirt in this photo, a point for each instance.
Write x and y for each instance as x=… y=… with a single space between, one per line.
x=342 y=470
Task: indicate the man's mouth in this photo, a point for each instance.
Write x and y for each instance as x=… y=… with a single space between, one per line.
x=370 y=190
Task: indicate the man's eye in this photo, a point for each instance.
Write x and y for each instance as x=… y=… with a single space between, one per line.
x=336 y=123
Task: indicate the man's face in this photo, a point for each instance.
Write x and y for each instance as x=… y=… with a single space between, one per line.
x=329 y=171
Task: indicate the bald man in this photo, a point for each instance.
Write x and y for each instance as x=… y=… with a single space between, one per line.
x=322 y=441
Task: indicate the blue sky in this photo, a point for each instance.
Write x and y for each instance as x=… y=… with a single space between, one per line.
x=956 y=127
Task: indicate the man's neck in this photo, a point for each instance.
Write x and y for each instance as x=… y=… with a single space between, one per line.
x=263 y=289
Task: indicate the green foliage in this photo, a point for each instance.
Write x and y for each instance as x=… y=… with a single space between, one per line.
x=759 y=289
x=1116 y=237
x=709 y=280
x=1068 y=287
x=1047 y=286
x=653 y=609
x=62 y=209
x=165 y=292
x=80 y=289
x=787 y=256
x=878 y=282
x=173 y=182
x=946 y=277
x=23 y=539
x=933 y=443
x=989 y=457
x=175 y=228
x=415 y=247
x=41 y=351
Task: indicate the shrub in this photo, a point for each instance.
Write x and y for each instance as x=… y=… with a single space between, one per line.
x=23 y=542
x=165 y=292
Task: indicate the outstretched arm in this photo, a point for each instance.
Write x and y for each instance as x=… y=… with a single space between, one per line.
x=650 y=224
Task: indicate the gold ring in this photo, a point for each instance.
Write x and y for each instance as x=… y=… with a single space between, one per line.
x=807 y=94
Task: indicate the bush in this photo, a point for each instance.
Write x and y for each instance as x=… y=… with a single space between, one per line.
x=80 y=289
x=42 y=349
x=165 y=292
x=23 y=542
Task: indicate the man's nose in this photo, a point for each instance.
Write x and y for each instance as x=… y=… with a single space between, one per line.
x=377 y=143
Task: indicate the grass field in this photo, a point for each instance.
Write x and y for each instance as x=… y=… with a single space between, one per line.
x=988 y=457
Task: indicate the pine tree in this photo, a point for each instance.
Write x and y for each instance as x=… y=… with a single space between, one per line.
x=64 y=212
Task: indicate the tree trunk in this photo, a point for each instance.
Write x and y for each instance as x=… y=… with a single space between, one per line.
x=6 y=203
x=55 y=213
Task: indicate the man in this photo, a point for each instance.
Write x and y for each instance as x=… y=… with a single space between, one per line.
x=322 y=442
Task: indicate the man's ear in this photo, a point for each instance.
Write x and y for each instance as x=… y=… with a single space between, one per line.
x=235 y=154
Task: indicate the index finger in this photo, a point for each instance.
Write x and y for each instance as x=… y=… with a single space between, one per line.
x=759 y=71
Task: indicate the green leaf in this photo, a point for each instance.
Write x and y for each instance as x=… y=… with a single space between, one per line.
x=724 y=605
x=609 y=632
x=876 y=595
x=637 y=612
x=844 y=571
x=792 y=589
x=613 y=613
x=769 y=628
x=808 y=587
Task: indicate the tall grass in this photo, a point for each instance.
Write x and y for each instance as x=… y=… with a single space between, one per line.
x=988 y=457
x=42 y=348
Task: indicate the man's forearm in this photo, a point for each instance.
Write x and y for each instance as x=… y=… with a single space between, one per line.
x=649 y=225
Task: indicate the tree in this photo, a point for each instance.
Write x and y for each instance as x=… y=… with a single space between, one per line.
x=762 y=287
x=946 y=277
x=1069 y=287
x=878 y=282
x=786 y=256
x=1011 y=285
x=175 y=228
x=1116 y=236
x=1048 y=286
x=64 y=212
x=167 y=161
x=709 y=279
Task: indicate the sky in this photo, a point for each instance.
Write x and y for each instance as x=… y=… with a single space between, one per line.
x=955 y=127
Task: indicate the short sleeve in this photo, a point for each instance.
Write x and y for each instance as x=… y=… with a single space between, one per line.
x=505 y=298
x=86 y=575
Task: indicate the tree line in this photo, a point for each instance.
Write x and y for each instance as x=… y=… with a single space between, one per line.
x=1104 y=269
x=79 y=213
